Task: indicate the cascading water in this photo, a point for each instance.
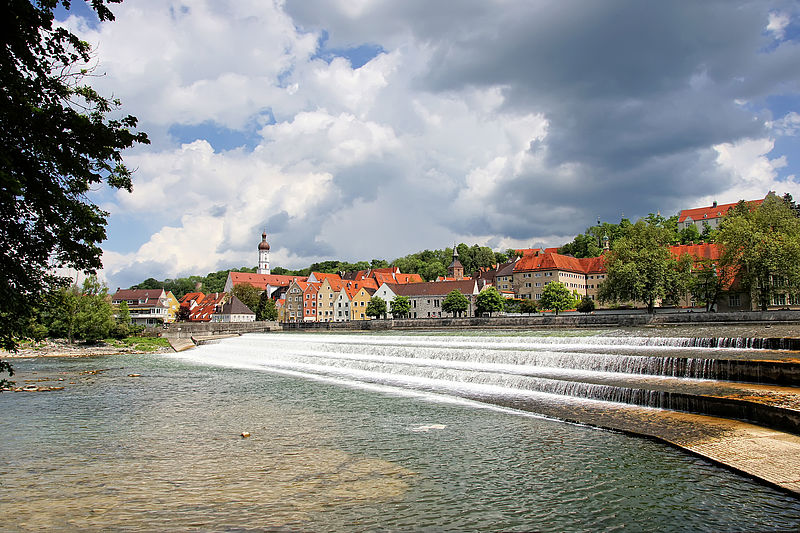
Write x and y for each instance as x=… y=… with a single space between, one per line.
x=683 y=373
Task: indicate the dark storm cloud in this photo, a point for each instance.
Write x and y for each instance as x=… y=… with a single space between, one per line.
x=636 y=93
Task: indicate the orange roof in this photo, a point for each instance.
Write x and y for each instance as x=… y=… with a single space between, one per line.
x=710 y=212
x=202 y=313
x=192 y=296
x=322 y=276
x=528 y=251
x=697 y=251
x=554 y=261
x=213 y=298
x=260 y=281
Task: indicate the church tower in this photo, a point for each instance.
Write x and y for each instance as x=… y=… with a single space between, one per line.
x=456 y=269
x=263 y=254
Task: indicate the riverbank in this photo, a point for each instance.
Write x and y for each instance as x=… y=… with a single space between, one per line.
x=63 y=348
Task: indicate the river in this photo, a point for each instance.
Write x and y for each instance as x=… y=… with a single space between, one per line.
x=154 y=442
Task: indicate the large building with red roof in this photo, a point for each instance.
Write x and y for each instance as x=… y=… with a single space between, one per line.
x=711 y=215
x=534 y=271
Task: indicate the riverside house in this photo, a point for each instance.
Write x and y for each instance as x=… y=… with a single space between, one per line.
x=148 y=307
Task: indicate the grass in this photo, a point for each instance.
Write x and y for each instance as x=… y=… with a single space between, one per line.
x=144 y=344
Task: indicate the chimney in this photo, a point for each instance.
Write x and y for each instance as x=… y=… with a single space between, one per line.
x=714 y=204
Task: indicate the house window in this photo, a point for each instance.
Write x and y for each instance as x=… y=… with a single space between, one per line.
x=734 y=300
x=528 y=284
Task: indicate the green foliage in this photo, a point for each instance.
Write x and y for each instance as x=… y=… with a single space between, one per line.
x=141 y=344
x=376 y=307
x=527 y=306
x=590 y=243
x=641 y=268
x=689 y=234
x=586 y=305
x=433 y=270
x=707 y=282
x=247 y=294
x=762 y=247
x=401 y=306
x=557 y=297
x=81 y=314
x=489 y=301
x=455 y=303
x=266 y=309
x=58 y=143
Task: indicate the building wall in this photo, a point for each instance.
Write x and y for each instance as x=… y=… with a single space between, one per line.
x=358 y=307
x=341 y=307
x=325 y=298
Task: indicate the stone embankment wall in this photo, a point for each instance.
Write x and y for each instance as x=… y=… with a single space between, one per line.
x=186 y=330
x=563 y=321
x=597 y=320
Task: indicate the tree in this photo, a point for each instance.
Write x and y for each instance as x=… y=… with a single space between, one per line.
x=247 y=294
x=761 y=247
x=266 y=309
x=527 y=306
x=641 y=267
x=57 y=143
x=376 y=307
x=557 y=297
x=401 y=306
x=586 y=305
x=433 y=270
x=707 y=282
x=95 y=317
x=489 y=301
x=455 y=303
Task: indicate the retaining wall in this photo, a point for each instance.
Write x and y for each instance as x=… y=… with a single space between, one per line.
x=563 y=321
x=185 y=330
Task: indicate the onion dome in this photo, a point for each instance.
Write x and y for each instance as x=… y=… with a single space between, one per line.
x=263 y=245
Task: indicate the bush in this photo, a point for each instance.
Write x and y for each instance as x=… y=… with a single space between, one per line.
x=586 y=305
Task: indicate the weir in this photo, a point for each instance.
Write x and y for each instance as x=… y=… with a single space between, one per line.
x=582 y=378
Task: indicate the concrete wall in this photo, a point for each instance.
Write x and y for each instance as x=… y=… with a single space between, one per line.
x=185 y=330
x=563 y=321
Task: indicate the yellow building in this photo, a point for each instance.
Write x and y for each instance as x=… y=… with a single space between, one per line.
x=359 y=300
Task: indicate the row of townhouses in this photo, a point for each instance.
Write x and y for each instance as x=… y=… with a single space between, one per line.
x=322 y=297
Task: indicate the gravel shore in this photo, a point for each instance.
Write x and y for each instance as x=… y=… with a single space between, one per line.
x=62 y=348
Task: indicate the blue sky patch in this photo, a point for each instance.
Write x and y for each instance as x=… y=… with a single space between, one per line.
x=358 y=55
x=221 y=138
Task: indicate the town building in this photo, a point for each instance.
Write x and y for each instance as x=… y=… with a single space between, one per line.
x=234 y=310
x=534 y=271
x=426 y=298
x=148 y=307
x=711 y=215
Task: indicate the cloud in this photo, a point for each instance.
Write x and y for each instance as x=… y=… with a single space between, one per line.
x=505 y=122
x=777 y=24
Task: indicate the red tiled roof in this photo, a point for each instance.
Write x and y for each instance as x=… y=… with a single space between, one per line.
x=697 y=251
x=192 y=296
x=213 y=298
x=260 y=281
x=137 y=294
x=711 y=212
x=554 y=261
x=322 y=276
x=433 y=288
x=202 y=313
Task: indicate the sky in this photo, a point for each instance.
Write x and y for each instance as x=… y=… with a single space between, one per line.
x=360 y=129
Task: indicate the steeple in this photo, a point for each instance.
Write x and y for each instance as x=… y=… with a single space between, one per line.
x=456 y=269
x=263 y=254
